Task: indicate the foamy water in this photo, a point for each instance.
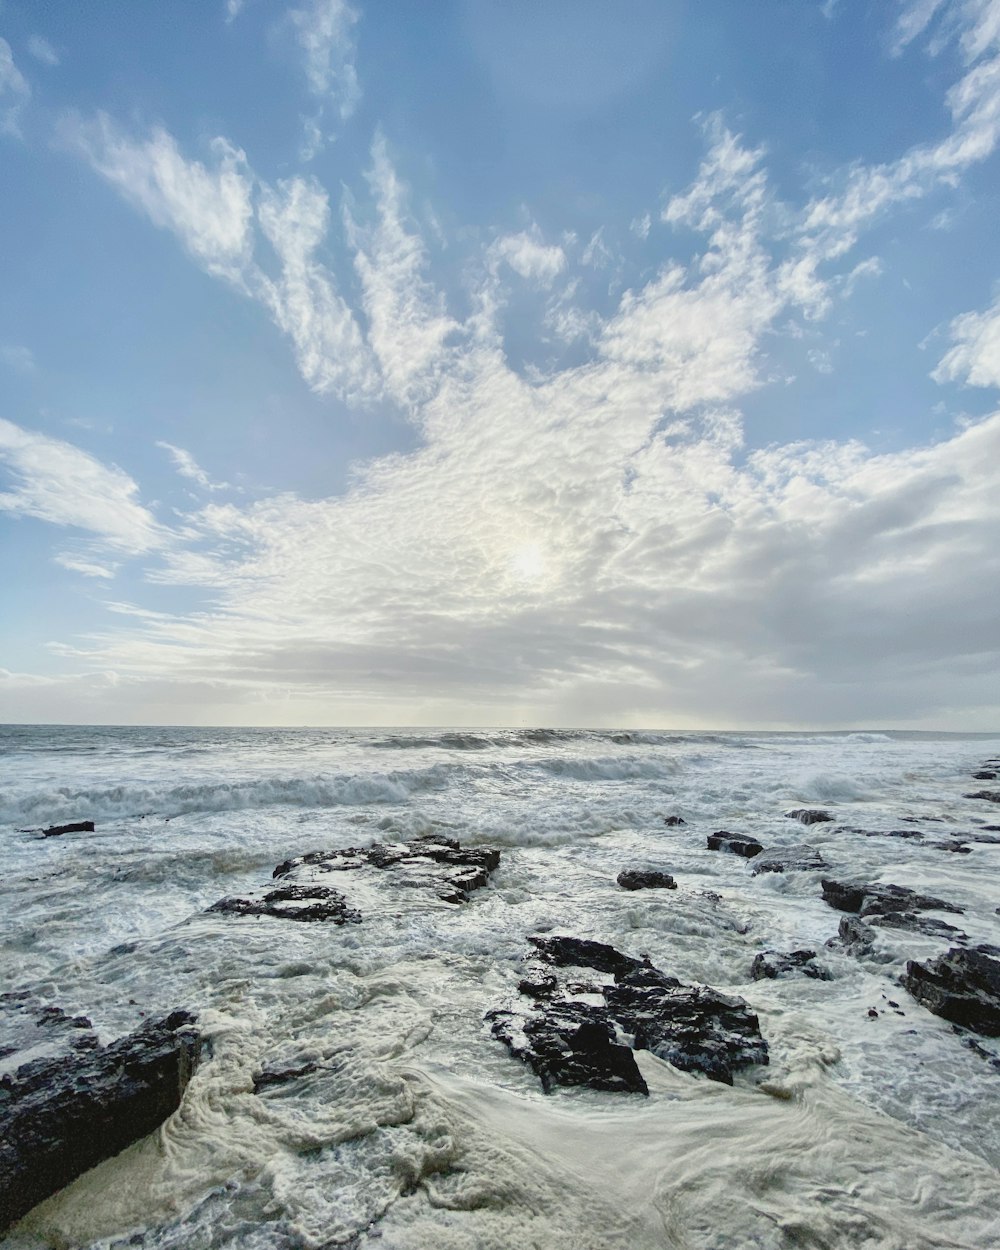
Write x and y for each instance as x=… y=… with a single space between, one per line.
x=413 y=1127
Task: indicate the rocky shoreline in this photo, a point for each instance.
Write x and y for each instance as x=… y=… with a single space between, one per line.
x=580 y=1011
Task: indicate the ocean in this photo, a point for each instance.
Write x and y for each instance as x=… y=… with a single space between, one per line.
x=400 y=1121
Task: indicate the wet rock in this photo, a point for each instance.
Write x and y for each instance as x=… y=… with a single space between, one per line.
x=646 y=879
x=962 y=986
x=734 y=843
x=990 y=796
x=431 y=865
x=674 y=820
x=33 y=1029
x=809 y=815
x=800 y=858
x=59 y=1117
x=294 y=902
x=433 y=862
x=892 y=907
x=985 y=775
x=573 y=1035
x=856 y=937
x=78 y=826
x=769 y=965
x=877 y=899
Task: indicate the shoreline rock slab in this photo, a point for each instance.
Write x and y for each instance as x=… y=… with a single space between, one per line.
x=76 y=826
x=734 y=843
x=431 y=865
x=890 y=907
x=800 y=858
x=591 y=1006
x=646 y=879
x=60 y=1117
x=962 y=986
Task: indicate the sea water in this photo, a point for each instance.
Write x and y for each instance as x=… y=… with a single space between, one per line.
x=412 y=1127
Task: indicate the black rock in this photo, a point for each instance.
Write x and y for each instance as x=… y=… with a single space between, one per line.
x=985 y=775
x=876 y=899
x=800 y=858
x=430 y=864
x=855 y=936
x=78 y=826
x=771 y=964
x=991 y=796
x=60 y=1117
x=646 y=879
x=734 y=843
x=294 y=902
x=891 y=907
x=569 y=1039
x=963 y=986
x=674 y=820
x=809 y=815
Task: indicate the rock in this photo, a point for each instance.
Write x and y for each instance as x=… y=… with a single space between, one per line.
x=674 y=820
x=78 y=826
x=892 y=907
x=809 y=815
x=736 y=845
x=59 y=1117
x=962 y=986
x=985 y=775
x=294 y=902
x=878 y=899
x=855 y=936
x=570 y=1034
x=800 y=858
x=771 y=964
x=646 y=879
x=430 y=864
x=991 y=796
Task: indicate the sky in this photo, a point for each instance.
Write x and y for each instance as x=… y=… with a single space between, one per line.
x=500 y=362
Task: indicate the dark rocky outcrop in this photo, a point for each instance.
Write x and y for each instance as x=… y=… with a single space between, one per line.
x=962 y=986
x=294 y=902
x=985 y=774
x=809 y=815
x=891 y=907
x=722 y=840
x=77 y=826
x=432 y=865
x=572 y=1029
x=990 y=796
x=674 y=820
x=59 y=1117
x=646 y=879
x=769 y=965
x=800 y=858
x=856 y=937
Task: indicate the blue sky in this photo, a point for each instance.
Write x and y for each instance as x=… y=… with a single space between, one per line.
x=498 y=362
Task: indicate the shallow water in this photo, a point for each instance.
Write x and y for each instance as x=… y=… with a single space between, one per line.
x=414 y=1126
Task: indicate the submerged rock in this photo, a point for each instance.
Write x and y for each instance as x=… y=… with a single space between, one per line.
x=430 y=864
x=571 y=1032
x=646 y=879
x=800 y=858
x=771 y=964
x=809 y=815
x=991 y=796
x=59 y=1117
x=734 y=843
x=985 y=774
x=77 y=826
x=962 y=986
x=674 y=820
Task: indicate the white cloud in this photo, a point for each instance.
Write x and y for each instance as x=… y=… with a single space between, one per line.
x=208 y=207
x=43 y=51
x=188 y=467
x=18 y=357
x=57 y=482
x=325 y=32
x=529 y=257
x=88 y=568
x=975 y=358
x=14 y=92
